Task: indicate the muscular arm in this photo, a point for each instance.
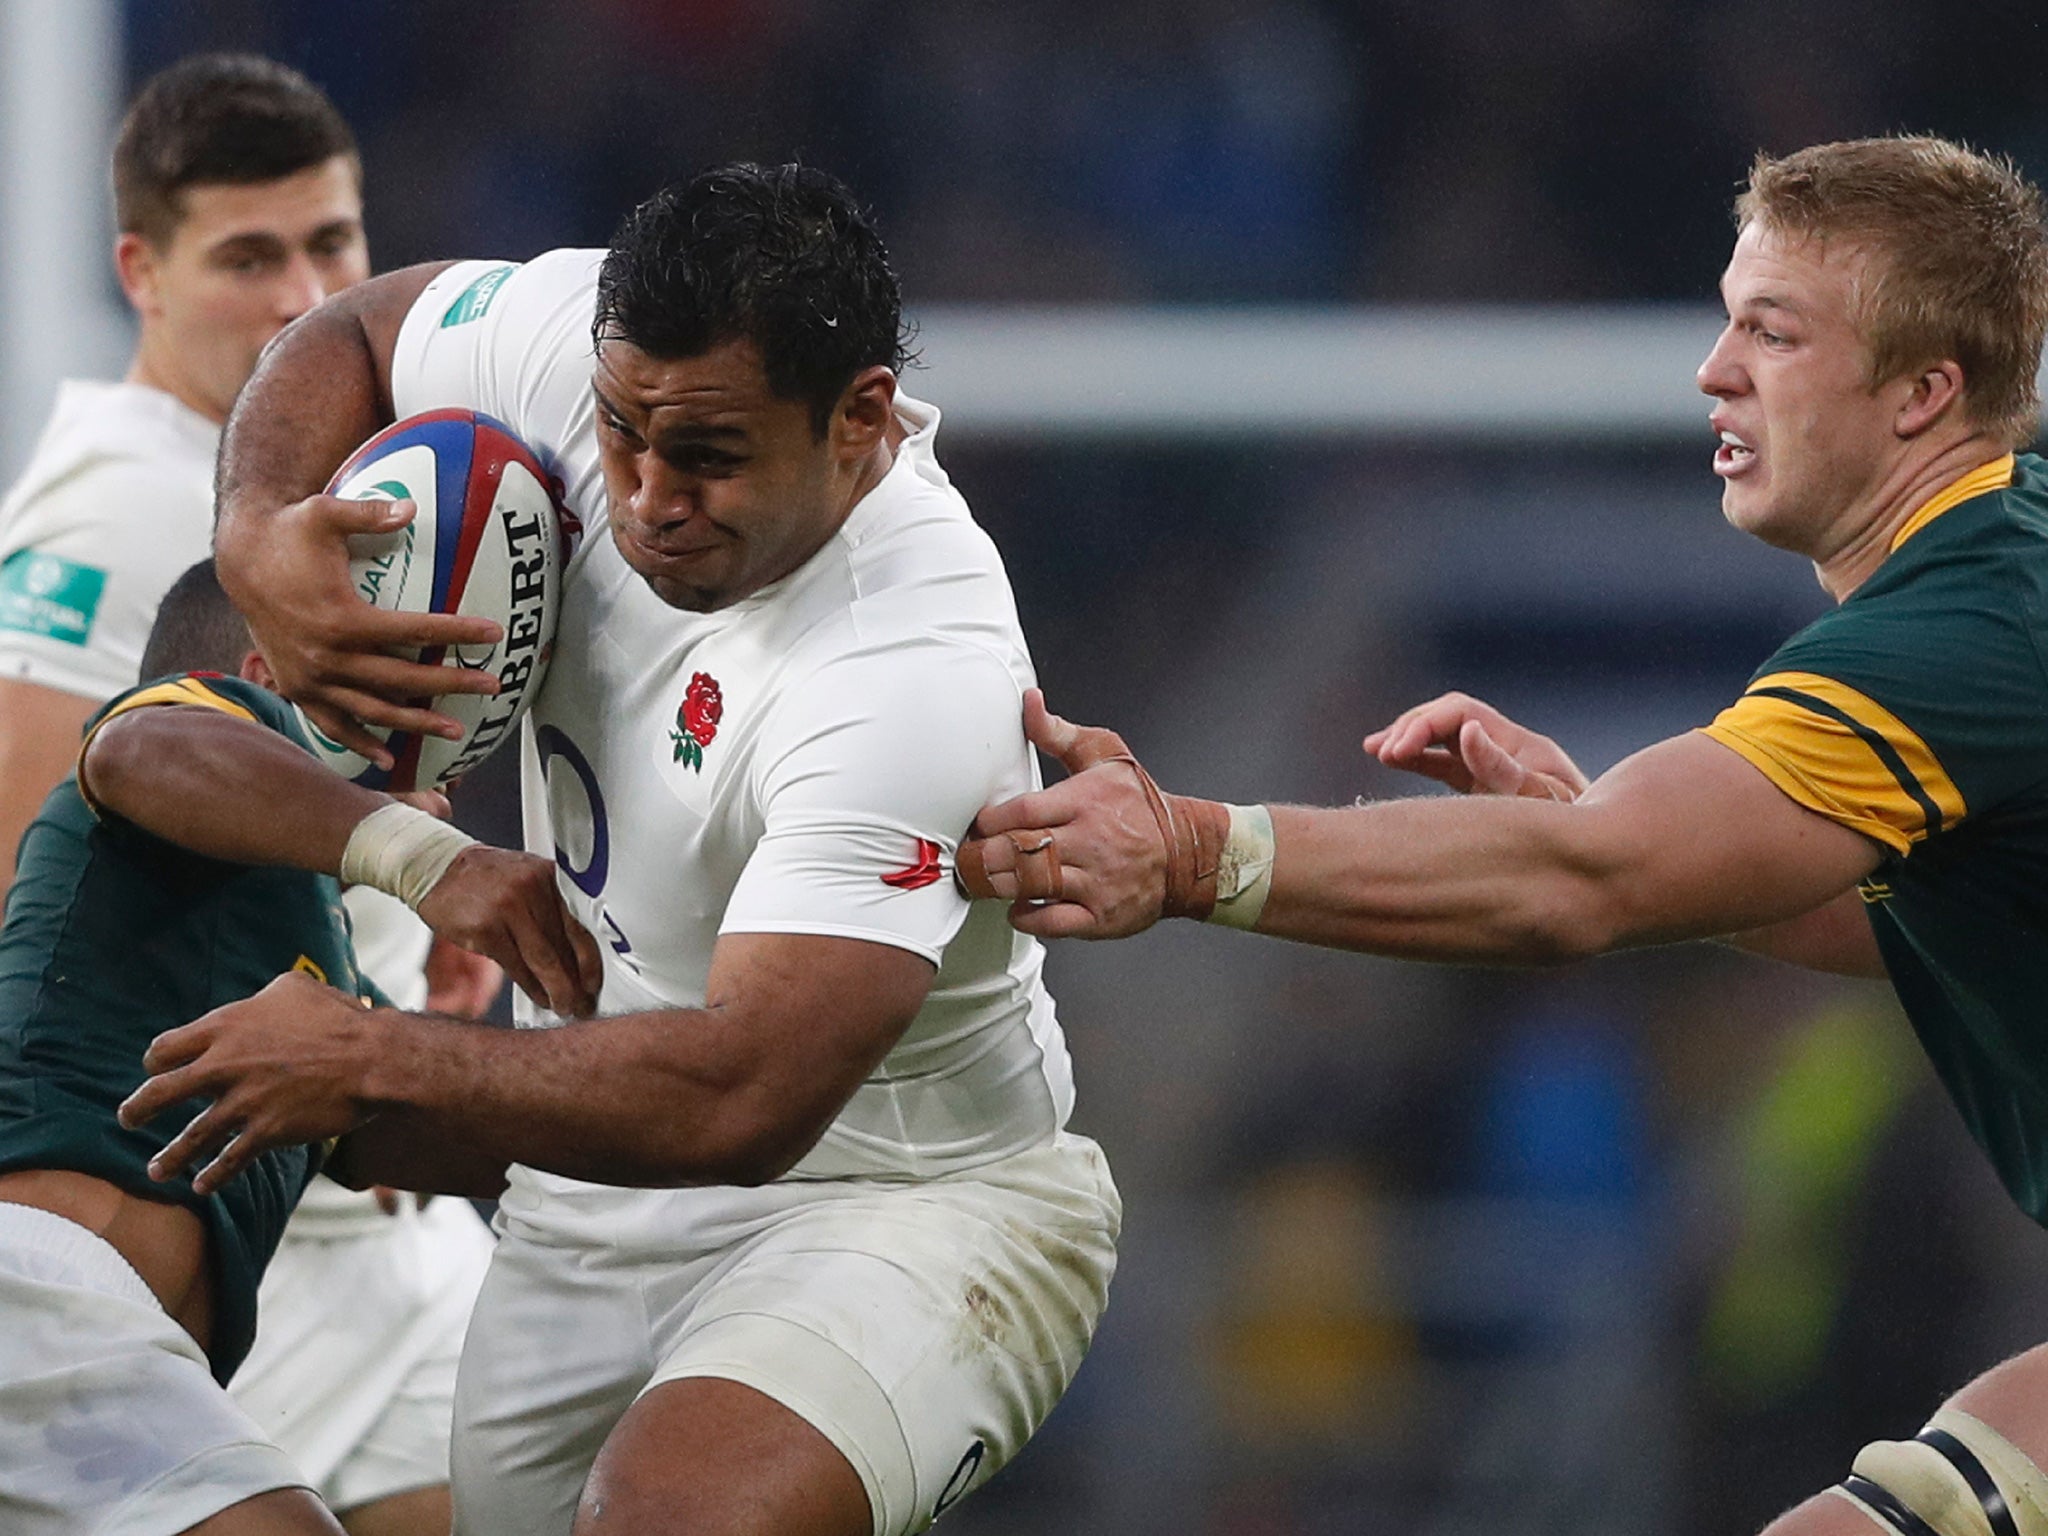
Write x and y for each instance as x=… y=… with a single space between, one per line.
x=733 y=1093
x=322 y=387
x=223 y=787
x=1683 y=840
x=1469 y=745
x=39 y=730
x=232 y=790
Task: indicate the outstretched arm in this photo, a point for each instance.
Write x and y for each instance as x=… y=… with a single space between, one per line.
x=1683 y=840
x=223 y=787
x=1474 y=748
x=733 y=1093
x=321 y=388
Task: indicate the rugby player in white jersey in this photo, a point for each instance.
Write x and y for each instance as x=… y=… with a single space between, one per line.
x=238 y=199
x=867 y=1256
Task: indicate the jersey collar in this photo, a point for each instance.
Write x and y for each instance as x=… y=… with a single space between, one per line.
x=1995 y=476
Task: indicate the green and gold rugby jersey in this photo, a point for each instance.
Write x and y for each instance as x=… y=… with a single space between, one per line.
x=1916 y=713
x=113 y=936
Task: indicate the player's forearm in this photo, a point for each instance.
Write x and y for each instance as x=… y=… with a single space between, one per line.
x=1684 y=840
x=1487 y=881
x=225 y=788
x=655 y=1100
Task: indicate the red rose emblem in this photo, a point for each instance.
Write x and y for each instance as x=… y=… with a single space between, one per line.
x=697 y=720
x=703 y=708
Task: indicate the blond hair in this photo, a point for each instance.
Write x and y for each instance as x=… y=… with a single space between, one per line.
x=1959 y=264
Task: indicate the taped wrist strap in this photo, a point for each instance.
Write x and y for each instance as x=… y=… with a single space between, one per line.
x=402 y=851
x=1244 y=872
x=1194 y=832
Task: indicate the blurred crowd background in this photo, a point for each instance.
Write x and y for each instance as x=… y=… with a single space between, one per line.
x=1650 y=1245
x=1176 y=149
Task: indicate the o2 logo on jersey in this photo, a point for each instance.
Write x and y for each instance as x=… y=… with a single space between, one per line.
x=564 y=818
x=563 y=815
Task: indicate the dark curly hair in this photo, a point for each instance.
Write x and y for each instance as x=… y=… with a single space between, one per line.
x=232 y=118
x=781 y=256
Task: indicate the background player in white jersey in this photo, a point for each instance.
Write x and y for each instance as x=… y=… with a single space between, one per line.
x=788 y=669
x=238 y=200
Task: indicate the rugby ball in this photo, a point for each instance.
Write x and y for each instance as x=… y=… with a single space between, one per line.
x=488 y=540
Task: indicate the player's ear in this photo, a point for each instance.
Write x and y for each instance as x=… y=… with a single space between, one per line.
x=1937 y=390
x=255 y=669
x=861 y=419
x=135 y=263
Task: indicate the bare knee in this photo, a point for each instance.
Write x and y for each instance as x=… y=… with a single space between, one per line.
x=708 y=1457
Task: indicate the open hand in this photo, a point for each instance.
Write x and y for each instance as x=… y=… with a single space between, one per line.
x=330 y=651
x=1085 y=858
x=1477 y=750
x=283 y=1067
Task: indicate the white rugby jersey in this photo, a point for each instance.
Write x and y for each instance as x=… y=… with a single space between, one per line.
x=116 y=503
x=804 y=761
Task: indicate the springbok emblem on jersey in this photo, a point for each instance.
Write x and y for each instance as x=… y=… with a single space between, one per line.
x=697 y=720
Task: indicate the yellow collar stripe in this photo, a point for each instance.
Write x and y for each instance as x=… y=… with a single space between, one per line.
x=183 y=690
x=1995 y=476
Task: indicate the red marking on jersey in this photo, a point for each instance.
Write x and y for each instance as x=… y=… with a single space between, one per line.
x=917 y=876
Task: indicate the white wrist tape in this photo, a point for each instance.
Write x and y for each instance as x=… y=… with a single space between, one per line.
x=402 y=851
x=1244 y=872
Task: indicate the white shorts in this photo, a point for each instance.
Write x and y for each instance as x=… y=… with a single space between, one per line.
x=357 y=1339
x=110 y=1421
x=926 y=1329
